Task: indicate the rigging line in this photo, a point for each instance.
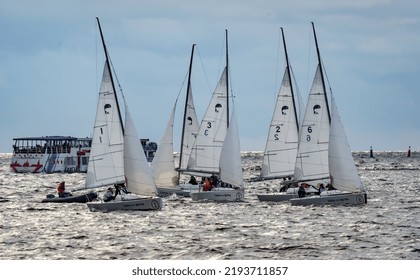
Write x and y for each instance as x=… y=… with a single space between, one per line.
x=221 y=57
x=309 y=62
x=115 y=74
x=277 y=63
x=96 y=59
x=182 y=86
x=204 y=70
x=326 y=76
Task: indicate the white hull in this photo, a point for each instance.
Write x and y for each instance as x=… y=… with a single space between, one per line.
x=285 y=196
x=164 y=192
x=276 y=197
x=189 y=187
x=225 y=195
x=335 y=198
x=131 y=204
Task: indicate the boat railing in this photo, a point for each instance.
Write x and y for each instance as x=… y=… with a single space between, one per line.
x=41 y=150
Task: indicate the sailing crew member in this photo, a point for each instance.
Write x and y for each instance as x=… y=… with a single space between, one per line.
x=109 y=195
x=207 y=185
x=301 y=191
x=62 y=190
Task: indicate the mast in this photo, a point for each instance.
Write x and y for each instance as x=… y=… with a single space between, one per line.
x=110 y=73
x=322 y=72
x=185 y=109
x=290 y=76
x=227 y=78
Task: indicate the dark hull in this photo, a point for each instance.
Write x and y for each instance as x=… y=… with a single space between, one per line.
x=72 y=199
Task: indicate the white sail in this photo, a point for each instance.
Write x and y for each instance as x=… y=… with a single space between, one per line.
x=282 y=141
x=312 y=157
x=191 y=127
x=138 y=174
x=230 y=158
x=205 y=154
x=106 y=156
x=163 y=164
x=343 y=171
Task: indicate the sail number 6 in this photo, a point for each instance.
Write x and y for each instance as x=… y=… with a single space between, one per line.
x=308 y=137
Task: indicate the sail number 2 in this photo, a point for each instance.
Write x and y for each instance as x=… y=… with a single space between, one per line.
x=277 y=131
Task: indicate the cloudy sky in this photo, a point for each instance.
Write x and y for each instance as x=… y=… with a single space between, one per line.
x=51 y=63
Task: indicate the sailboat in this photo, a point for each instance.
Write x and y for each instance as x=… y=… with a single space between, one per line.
x=116 y=154
x=339 y=164
x=165 y=174
x=216 y=151
x=282 y=142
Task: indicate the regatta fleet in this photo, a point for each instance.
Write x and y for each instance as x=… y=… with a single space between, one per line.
x=306 y=147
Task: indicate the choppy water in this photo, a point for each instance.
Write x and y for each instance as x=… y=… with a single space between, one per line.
x=387 y=228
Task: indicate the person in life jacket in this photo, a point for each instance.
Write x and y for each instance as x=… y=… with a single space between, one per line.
x=62 y=190
x=207 y=185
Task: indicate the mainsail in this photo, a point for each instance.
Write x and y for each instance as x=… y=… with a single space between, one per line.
x=190 y=125
x=312 y=157
x=106 y=156
x=205 y=154
x=282 y=141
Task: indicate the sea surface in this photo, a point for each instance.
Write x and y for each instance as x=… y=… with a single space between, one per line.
x=386 y=228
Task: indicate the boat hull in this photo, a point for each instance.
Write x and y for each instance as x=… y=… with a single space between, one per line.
x=165 y=192
x=334 y=199
x=286 y=196
x=189 y=187
x=137 y=204
x=72 y=199
x=276 y=197
x=219 y=195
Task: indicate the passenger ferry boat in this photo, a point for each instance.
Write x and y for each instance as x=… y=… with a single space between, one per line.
x=50 y=154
